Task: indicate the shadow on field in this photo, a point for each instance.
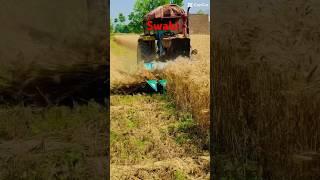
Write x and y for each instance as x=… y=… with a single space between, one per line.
x=62 y=85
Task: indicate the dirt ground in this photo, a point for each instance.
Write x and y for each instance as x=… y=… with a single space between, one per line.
x=150 y=139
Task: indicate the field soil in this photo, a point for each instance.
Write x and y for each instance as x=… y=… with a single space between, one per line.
x=150 y=137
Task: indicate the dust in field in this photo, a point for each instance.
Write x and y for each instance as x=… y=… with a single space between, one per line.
x=189 y=81
x=150 y=140
x=125 y=76
x=127 y=40
x=123 y=62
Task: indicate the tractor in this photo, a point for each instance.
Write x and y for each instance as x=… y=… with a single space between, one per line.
x=165 y=37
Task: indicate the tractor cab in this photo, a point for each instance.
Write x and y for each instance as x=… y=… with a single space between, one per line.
x=170 y=18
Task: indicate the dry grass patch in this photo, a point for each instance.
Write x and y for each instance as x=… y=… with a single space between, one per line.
x=147 y=134
x=42 y=143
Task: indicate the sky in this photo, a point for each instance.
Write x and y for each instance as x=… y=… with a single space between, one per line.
x=126 y=7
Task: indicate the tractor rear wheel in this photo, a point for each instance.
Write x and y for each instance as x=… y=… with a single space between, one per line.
x=145 y=51
x=176 y=47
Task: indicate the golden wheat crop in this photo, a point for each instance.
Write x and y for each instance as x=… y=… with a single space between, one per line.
x=265 y=88
x=188 y=81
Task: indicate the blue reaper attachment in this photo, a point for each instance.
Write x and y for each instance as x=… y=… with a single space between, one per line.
x=156 y=85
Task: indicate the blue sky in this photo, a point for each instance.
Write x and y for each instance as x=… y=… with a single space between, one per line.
x=126 y=6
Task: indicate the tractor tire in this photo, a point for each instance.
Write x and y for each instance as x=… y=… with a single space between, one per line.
x=145 y=51
x=178 y=47
x=181 y=47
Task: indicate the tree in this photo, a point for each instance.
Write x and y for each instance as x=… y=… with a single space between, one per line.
x=111 y=26
x=121 y=18
x=121 y=28
x=178 y=2
x=120 y=25
x=141 y=8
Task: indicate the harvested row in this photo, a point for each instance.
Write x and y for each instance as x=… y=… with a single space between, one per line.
x=150 y=140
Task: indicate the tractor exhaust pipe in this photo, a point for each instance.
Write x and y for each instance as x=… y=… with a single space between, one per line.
x=188 y=20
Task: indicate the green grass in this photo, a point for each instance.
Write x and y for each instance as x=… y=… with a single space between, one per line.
x=124 y=100
x=64 y=164
x=178 y=175
x=186 y=123
x=141 y=144
x=131 y=124
x=20 y=121
x=113 y=136
x=183 y=129
x=183 y=139
x=233 y=169
x=43 y=120
x=168 y=107
x=131 y=149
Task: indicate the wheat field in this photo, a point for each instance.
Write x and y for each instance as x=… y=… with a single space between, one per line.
x=159 y=136
x=266 y=89
x=188 y=80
